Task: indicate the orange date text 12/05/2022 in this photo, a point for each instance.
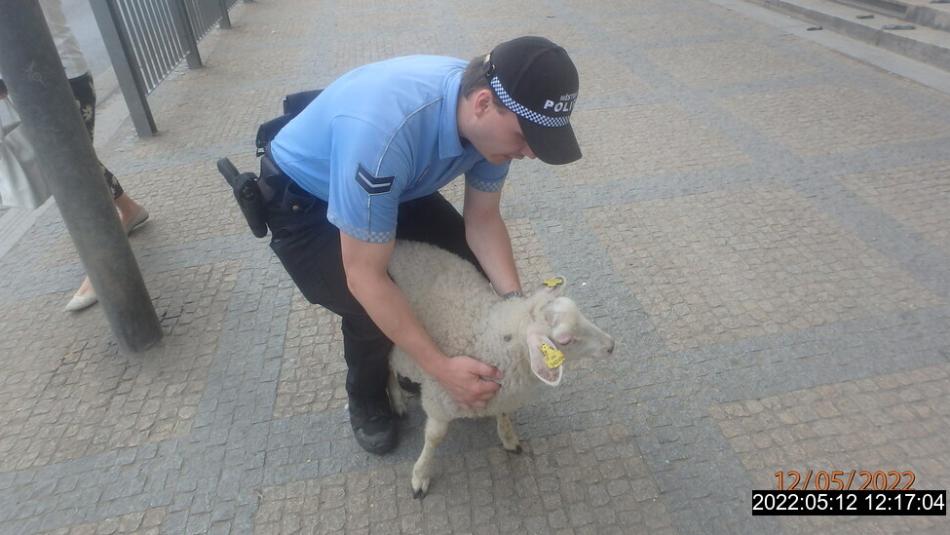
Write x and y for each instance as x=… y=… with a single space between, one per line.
x=845 y=480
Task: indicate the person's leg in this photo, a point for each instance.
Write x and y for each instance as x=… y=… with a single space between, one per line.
x=84 y=91
x=433 y=219
x=308 y=246
x=366 y=351
x=131 y=214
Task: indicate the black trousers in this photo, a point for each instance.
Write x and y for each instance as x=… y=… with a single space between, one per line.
x=309 y=248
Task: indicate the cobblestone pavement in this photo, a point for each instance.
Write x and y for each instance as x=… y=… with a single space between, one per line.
x=762 y=223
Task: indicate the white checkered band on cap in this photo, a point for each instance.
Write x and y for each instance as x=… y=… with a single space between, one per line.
x=525 y=113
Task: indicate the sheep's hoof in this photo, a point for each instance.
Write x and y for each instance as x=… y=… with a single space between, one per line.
x=419 y=488
x=517 y=450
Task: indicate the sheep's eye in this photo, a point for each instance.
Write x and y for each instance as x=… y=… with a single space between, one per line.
x=507 y=338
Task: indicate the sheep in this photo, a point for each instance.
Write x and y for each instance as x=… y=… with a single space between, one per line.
x=464 y=316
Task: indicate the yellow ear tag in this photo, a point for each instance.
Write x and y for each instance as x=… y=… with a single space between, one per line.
x=554 y=282
x=553 y=357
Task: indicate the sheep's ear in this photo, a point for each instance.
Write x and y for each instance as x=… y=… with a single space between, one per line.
x=539 y=365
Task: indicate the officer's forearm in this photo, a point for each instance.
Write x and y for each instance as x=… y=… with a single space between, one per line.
x=489 y=240
x=387 y=306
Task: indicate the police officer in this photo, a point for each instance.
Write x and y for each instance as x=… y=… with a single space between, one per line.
x=361 y=166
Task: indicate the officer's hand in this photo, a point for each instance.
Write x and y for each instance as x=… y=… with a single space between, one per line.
x=469 y=381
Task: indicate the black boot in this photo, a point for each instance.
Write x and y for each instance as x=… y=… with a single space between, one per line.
x=374 y=424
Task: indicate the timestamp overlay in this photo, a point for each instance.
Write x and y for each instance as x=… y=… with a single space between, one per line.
x=849 y=502
x=848 y=492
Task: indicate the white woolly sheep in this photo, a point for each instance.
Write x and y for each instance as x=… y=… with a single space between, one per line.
x=464 y=316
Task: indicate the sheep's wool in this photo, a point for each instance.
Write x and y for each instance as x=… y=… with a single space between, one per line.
x=464 y=316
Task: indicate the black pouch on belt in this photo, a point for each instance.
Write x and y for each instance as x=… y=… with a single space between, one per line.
x=248 y=195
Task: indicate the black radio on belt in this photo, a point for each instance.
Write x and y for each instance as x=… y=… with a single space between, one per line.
x=246 y=186
x=248 y=195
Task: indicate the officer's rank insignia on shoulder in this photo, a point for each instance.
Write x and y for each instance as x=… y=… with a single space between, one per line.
x=374 y=185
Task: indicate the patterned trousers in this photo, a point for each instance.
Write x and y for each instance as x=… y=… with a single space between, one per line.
x=85 y=93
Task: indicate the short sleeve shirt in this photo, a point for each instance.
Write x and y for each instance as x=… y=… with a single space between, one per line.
x=381 y=135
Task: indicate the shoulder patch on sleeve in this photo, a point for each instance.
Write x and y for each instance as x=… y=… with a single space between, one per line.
x=374 y=185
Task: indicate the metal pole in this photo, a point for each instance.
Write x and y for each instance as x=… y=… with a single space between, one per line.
x=127 y=70
x=225 y=23
x=185 y=34
x=50 y=118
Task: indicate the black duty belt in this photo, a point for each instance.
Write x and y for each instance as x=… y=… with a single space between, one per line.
x=273 y=189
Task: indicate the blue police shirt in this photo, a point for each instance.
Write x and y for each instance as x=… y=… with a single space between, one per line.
x=381 y=135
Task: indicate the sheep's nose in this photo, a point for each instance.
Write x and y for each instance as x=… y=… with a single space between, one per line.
x=610 y=350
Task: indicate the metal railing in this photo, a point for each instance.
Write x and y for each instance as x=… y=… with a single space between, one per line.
x=149 y=27
x=147 y=39
x=204 y=14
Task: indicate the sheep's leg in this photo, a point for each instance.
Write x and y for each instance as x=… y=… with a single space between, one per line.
x=506 y=432
x=435 y=432
x=397 y=397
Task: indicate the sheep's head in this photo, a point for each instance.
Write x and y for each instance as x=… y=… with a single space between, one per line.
x=559 y=332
